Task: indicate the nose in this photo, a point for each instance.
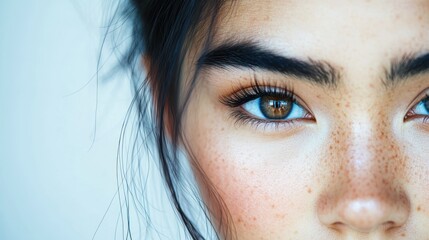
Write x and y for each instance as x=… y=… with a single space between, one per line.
x=364 y=193
x=366 y=215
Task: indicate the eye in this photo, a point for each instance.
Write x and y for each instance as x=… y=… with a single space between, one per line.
x=421 y=109
x=274 y=108
x=265 y=106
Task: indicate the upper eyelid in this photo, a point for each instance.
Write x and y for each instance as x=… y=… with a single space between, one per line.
x=257 y=91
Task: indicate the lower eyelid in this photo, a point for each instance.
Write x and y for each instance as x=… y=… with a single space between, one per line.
x=241 y=118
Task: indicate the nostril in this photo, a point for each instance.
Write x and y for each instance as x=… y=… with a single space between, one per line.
x=337 y=226
x=390 y=225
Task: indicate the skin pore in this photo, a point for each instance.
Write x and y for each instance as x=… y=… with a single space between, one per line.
x=352 y=162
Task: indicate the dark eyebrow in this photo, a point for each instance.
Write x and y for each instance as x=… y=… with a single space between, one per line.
x=251 y=55
x=408 y=66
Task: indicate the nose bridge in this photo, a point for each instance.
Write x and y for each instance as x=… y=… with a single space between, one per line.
x=369 y=154
x=364 y=193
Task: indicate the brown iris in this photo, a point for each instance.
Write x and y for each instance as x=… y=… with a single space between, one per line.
x=275 y=107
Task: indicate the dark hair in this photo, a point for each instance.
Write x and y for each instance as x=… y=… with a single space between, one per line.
x=161 y=33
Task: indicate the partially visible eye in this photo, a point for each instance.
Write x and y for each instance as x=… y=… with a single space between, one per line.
x=274 y=108
x=421 y=109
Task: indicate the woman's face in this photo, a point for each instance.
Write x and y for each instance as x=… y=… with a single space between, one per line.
x=308 y=119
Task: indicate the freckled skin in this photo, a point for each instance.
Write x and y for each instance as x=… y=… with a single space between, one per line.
x=359 y=171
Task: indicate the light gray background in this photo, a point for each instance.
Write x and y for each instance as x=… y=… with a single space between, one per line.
x=53 y=184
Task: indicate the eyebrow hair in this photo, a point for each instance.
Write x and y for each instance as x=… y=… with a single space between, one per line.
x=253 y=56
x=408 y=66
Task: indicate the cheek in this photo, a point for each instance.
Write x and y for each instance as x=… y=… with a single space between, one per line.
x=418 y=181
x=265 y=184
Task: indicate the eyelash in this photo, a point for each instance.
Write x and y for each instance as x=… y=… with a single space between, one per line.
x=256 y=90
x=259 y=89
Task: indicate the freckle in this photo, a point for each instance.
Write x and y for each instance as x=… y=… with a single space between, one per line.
x=309 y=190
x=418 y=209
x=403 y=235
x=273 y=206
x=254 y=218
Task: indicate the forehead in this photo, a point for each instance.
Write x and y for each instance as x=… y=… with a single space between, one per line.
x=358 y=33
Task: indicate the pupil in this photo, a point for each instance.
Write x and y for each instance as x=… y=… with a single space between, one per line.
x=275 y=107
